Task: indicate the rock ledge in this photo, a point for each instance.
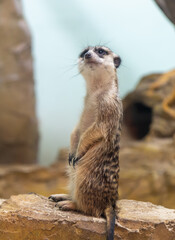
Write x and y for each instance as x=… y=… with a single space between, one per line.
x=34 y=217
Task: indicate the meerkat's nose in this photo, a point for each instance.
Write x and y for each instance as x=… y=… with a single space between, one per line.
x=87 y=55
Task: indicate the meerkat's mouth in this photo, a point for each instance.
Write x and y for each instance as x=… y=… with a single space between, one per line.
x=91 y=61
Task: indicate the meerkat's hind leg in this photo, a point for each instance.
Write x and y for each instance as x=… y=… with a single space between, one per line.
x=67 y=205
x=59 y=197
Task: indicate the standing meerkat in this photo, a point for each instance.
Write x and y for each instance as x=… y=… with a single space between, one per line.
x=94 y=147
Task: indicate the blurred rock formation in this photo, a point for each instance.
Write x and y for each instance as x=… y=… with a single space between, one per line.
x=150 y=109
x=32 y=178
x=18 y=123
x=147 y=155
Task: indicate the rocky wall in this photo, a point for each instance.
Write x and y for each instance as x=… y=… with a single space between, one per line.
x=18 y=122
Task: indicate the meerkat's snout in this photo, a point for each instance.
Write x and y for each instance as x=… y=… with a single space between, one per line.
x=88 y=55
x=117 y=61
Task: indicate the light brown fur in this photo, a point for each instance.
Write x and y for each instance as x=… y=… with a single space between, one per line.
x=94 y=144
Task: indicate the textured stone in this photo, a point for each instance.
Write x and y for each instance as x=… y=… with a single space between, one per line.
x=18 y=123
x=32 y=178
x=147 y=171
x=147 y=156
x=34 y=217
x=150 y=108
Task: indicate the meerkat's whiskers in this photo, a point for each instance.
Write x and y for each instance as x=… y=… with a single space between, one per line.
x=77 y=74
x=69 y=68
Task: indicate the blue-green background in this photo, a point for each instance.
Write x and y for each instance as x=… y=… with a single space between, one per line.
x=135 y=29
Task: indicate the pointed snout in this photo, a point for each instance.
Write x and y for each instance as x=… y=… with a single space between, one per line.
x=88 y=55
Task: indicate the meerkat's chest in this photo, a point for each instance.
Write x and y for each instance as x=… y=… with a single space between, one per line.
x=88 y=115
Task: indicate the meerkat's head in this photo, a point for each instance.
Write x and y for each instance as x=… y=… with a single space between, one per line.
x=98 y=62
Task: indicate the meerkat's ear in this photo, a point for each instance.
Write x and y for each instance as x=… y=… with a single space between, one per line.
x=117 y=61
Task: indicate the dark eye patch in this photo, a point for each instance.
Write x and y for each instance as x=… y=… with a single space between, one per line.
x=83 y=53
x=101 y=52
x=117 y=61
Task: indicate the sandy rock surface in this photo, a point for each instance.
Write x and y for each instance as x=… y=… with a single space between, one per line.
x=34 y=217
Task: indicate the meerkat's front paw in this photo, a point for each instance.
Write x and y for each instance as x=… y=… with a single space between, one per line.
x=59 y=197
x=66 y=205
x=71 y=157
x=75 y=160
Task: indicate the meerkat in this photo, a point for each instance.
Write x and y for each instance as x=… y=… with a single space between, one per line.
x=94 y=145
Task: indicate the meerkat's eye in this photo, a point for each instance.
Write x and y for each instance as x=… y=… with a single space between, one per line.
x=101 y=51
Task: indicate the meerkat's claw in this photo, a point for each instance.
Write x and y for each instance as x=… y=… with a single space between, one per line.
x=71 y=156
x=75 y=160
x=58 y=197
x=66 y=206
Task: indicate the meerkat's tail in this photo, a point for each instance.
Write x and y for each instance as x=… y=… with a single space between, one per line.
x=110 y=219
